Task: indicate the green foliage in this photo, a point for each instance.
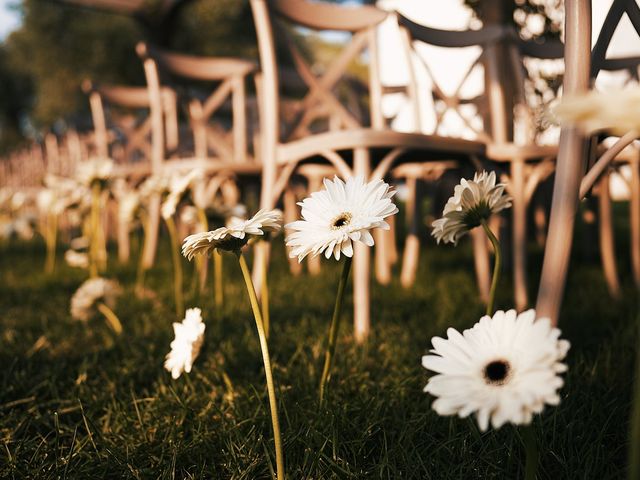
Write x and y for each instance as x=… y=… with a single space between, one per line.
x=78 y=402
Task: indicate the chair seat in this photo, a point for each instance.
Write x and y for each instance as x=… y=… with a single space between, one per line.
x=505 y=152
x=212 y=166
x=434 y=146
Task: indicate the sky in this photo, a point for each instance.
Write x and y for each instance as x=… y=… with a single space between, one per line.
x=9 y=18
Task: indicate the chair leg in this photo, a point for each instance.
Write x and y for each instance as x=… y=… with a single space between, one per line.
x=412 y=243
x=481 y=263
x=291 y=215
x=382 y=260
x=540 y=221
x=391 y=244
x=519 y=234
x=151 y=239
x=605 y=233
x=361 y=266
x=314 y=264
x=634 y=211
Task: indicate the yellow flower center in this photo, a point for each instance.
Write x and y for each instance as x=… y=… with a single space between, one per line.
x=341 y=220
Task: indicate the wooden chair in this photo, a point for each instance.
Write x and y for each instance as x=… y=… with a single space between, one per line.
x=352 y=145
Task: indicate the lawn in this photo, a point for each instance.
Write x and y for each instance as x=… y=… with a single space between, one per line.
x=76 y=401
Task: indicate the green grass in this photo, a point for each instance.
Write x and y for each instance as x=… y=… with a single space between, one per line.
x=78 y=402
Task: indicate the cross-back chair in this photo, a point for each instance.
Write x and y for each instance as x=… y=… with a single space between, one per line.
x=350 y=144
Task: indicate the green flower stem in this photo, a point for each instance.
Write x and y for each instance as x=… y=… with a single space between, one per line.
x=255 y=306
x=177 y=265
x=217 y=280
x=496 y=266
x=51 y=234
x=531 y=451
x=201 y=262
x=141 y=269
x=334 y=327
x=112 y=318
x=264 y=300
x=93 y=246
x=634 y=440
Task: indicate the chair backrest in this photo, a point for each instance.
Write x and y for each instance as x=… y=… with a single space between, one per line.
x=320 y=109
x=229 y=74
x=481 y=110
x=128 y=135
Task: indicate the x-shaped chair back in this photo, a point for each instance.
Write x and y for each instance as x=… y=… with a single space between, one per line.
x=121 y=131
x=323 y=105
x=229 y=75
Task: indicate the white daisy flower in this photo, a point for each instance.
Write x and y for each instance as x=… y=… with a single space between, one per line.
x=473 y=201
x=503 y=369
x=127 y=206
x=234 y=236
x=186 y=346
x=177 y=190
x=95 y=169
x=617 y=110
x=341 y=214
x=90 y=293
x=76 y=259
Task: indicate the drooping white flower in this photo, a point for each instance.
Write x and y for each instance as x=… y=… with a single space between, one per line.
x=95 y=169
x=90 y=293
x=76 y=259
x=503 y=369
x=127 y=206
x=189 y=335
x=343 y=213
x=234 y=236
x=616 y=110
x=473 y=201
x=178 y=188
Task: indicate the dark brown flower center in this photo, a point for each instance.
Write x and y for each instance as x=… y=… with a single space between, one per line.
x=341 y=220
x=497 y=372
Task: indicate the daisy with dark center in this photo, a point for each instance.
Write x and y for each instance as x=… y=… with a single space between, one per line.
x=504 y=369
x=332 y=219
x=472 y=204
x=232 y=239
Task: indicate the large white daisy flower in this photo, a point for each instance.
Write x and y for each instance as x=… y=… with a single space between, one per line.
x=90 y=293
x=473 y=201
x=234 y=236
x=339 y=215
x=186 y=346
x=503 y=369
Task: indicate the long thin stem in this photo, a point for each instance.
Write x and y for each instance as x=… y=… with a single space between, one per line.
x=334 y=327
x=93 y=246
x=143 y=247
x=496 y=266
x=51 y=234
x=177 y=265
x=264 y=300
x=634 y=440
x=255 y=306
x=112 y=318
x=202 y=262
x=531 y=451
x=217 y=280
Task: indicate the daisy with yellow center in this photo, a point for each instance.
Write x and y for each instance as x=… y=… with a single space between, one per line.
x=332 y=219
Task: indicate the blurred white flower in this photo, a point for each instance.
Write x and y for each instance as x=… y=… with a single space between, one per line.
x=79 y=243
x=234 y=236
x=617 y=111
x=76 y=259
x=155 y=184
x=341 y=214
x=128 y=205
x=503 y=369
x=95 y=169
x=90 y=293
x=186 y=346
x=178 y=188
x=473 y=201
